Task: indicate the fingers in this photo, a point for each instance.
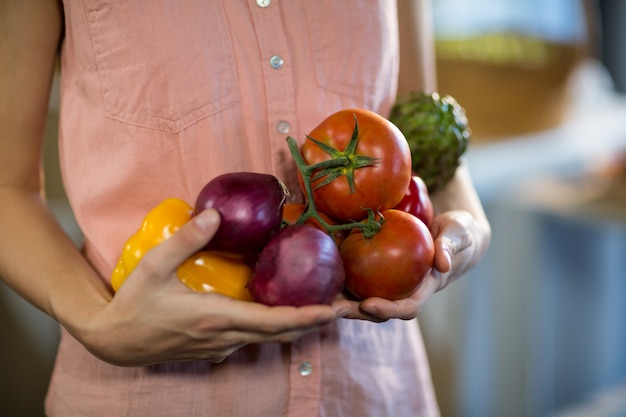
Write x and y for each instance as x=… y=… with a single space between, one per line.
x=455 y=242
x=265 y=320
x=379 y=309
x=245 y=323
x=218 y=313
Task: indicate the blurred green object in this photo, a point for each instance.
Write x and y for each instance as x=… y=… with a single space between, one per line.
x=438 y=134
x=499 y=48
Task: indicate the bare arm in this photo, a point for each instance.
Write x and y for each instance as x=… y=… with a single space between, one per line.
x=153 y=318
x=31 y=32
x=417 y=49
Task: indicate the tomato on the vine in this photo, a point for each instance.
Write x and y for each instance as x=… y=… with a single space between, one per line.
x=377 y=166
x=393 y=262
x=417 y=201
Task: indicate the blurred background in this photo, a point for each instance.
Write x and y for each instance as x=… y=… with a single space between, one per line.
x=538 y=328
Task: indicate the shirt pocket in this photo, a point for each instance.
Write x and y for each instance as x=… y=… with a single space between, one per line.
x=353 y=44
x=162 y=64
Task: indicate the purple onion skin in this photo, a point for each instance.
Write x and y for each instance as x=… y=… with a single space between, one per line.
x=250 y=206
x=300 y=265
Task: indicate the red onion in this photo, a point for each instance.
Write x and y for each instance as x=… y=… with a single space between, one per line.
x=251 y=208
x=300 y=265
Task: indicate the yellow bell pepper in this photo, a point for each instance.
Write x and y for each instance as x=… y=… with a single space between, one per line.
x=207 y=271
x=158 y=225
x=202 y=272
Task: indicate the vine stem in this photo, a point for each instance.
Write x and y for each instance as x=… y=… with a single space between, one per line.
x=369 y=228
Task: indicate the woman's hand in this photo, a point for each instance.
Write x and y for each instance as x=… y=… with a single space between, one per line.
x=460 y=241
x=155 y=318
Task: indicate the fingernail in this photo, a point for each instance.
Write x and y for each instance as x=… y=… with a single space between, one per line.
x=207 y=220
x=343 y=312
x=371 y=310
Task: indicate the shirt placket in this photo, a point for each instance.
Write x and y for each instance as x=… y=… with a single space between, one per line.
x=304 y=361
x=279 y=89
x=305 y=376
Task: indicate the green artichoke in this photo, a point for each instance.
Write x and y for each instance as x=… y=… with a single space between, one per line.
x=438 y=134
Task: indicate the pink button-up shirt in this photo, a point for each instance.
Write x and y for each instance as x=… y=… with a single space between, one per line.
x=158 y=97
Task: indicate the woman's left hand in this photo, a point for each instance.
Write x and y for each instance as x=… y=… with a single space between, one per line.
x=460 y=241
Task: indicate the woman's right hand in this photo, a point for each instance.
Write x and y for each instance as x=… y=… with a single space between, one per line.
x=154 y=318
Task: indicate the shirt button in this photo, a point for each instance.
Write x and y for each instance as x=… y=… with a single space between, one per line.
x=263 y=3
x=305 y=368
x=283 y=127
x=276 y=61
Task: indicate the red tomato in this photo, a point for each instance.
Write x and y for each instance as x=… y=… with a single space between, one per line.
x=393 y=262
x=417 y=202
x=379 y=186
x=292 y=212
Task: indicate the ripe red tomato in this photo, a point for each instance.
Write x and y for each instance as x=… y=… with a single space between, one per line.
x=292 y=212
x=379 y=186
x=393 y=262
x=417 y=202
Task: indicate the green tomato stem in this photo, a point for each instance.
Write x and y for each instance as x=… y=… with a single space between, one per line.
x=369 y=228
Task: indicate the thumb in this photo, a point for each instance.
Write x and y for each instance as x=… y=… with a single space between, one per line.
x=444 y=251
x=190 y=238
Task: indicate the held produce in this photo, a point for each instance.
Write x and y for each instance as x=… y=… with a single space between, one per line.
x=159 y=224
x=300 y=265
x=250 y=206
x=365 y=179
x=363 y=226
x=253 y=209
x=202 y=272
x=207 y=271
x=390 y=263
x=371 y=165
x=438 y=134
x=417 y=202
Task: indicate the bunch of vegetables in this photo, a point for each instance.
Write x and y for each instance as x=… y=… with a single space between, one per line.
x=363 y=227
x=355 y=168
x=250 y=257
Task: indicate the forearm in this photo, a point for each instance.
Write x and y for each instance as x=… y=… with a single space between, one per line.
x=40 y=262
x=37 y=259
x=459 y=193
